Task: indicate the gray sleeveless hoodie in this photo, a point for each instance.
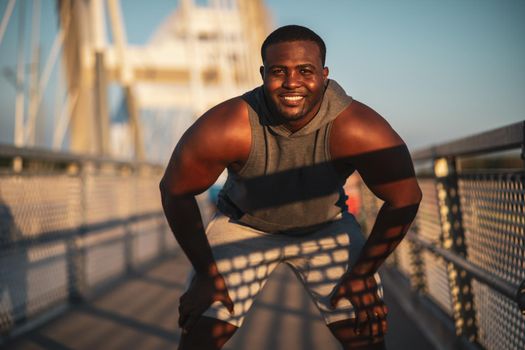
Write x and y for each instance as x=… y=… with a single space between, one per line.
x=288 y=181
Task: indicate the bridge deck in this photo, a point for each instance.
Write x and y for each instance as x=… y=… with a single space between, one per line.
x=141 y=313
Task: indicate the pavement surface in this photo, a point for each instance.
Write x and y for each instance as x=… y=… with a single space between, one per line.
x=141 y=313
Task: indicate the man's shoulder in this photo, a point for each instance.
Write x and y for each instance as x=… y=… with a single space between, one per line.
x=359 y=128
x=232 y=111
x=223 y=131
x=227 y=119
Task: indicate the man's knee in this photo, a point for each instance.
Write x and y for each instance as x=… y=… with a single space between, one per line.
x=344 y=331
x=207 y=334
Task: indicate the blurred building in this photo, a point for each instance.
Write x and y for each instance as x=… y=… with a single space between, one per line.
x=199 y=56
x=70 y=81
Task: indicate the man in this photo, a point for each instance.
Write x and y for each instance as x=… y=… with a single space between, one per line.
x=288 y=146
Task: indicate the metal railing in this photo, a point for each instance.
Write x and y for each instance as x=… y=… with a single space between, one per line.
x=466 y=249
x=69 y=226
x=72 y=224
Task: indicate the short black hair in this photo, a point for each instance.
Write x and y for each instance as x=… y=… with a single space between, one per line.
x=293 y=33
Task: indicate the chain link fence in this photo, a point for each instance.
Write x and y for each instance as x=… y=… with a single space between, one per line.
x=466 y=249
x=69 y=227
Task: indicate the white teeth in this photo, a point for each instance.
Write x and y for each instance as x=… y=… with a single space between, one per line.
x=293 y=98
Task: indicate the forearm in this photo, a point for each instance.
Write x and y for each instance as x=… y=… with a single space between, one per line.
x=184 y=219
x=391 y=225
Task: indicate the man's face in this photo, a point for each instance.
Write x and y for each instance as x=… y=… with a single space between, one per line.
x=294 y=80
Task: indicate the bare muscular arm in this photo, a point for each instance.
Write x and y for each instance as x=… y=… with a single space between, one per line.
x=364 y=140
x=220 y=138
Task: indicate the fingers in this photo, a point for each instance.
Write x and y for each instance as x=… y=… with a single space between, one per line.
x=384 y=323
x=370 y=322
x=191 y=320
x=339 y=293
x=380 y=312
x=373 y=323
x=183 y=314
x=334 y=300
x=370 y=316
x=377 y=323
x=189 y=312
x=361 y=320
x=227 y=301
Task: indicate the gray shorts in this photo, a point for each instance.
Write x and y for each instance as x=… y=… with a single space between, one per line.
x=246 y=257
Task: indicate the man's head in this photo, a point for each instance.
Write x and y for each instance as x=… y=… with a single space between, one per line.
x=294 y=33
x=294 y=74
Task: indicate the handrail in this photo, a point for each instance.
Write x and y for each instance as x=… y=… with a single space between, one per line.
x=504 y=138
x=60 y=156
x=61 y=235
x=507 y=289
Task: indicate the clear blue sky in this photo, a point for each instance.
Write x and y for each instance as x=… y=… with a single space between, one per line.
x=436 y=70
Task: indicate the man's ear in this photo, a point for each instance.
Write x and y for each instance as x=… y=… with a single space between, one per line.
x=261 y=70
x=325 y=75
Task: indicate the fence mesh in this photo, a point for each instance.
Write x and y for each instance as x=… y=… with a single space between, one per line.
x=67 y=233
x=429 y=228
x=493 y=218
x=33 y=265
x=494 y=223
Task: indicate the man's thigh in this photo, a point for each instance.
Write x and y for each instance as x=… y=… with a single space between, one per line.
x=245 y=257
x=322 y=259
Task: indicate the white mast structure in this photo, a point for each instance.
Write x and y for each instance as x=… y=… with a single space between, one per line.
x=199 y=56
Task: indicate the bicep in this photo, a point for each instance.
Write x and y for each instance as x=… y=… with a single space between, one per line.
x=194 y=165
x=389 y=174
x=382 y=159
x=219 y=138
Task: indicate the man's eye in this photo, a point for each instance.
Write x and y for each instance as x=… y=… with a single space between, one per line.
x=277 y=71
x=306 y=71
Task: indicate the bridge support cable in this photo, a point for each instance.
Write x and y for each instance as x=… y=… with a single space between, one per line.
x=20 y=79
x=42 y=83
x=5 y=18
x=64 y=119
x=126 y=77
x=35 y=64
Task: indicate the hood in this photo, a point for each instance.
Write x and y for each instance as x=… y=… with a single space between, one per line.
x=335 y=100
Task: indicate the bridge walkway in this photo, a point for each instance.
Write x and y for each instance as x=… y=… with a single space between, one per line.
x=140 y=312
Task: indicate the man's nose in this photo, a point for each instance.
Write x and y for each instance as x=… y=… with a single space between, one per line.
x=292 y=80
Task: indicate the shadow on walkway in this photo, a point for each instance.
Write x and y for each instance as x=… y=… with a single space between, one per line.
x=141 y=313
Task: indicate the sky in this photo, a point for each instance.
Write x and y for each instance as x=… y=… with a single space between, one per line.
x=435 y=70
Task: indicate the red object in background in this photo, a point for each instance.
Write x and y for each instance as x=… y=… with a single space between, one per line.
x=354 y=204
x=352 y=191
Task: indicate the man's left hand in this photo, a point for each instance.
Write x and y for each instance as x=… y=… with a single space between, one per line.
x=370 y=310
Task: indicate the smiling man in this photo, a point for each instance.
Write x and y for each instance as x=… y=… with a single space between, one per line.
x=289 y=146
x=294 y=81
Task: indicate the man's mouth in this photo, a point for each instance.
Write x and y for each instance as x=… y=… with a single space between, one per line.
x=291 y=100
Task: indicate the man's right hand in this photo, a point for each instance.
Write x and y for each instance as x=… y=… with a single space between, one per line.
x=205 y=288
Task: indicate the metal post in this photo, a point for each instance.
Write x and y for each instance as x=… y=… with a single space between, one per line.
x=35 y=64
x=76 y=251
x=20 y=79
x=521 y=298
x=454 y=240
x=100 y=93
x=135 y=126
x=77 y=60
x=417 y=276
x=101 y=106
